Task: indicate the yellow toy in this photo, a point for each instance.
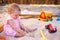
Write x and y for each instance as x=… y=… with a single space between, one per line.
x=48 y=14
x=42 y=35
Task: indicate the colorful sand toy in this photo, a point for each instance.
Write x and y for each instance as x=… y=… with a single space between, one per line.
x=46 y=16
x=1 y=27
x=58 y=18
x=51 y=28
x=47 y=19
x=2 y=38
x=42 y=35
x=42 y=16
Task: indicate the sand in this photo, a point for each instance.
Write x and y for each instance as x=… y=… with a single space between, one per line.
x=33 y=22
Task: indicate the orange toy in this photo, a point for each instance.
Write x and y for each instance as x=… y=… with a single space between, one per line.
x=1 y=27
x=42 y=16
x=2 y=38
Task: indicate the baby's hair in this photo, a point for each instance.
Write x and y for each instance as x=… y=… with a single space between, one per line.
x=13 y=5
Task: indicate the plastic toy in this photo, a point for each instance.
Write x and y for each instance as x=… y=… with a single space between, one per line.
x=2 y=38
x=58 y=18
x=50 y=28
x=42 y=16
x=42 y=35
x=1 y=27
x=45 y=16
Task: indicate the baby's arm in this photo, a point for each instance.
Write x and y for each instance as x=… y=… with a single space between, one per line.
x=11 y=23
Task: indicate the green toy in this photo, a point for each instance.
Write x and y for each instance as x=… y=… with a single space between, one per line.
x=51 y=19
x=47 y=20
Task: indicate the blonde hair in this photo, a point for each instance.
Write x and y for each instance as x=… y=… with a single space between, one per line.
x=13 y=5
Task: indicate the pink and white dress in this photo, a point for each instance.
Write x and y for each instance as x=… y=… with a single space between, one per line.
x=8 y=30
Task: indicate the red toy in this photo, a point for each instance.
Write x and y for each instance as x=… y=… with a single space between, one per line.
x=50 y=28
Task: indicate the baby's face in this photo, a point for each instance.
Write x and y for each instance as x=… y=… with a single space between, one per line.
x=15 y=12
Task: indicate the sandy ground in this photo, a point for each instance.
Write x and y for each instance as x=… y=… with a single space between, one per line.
x=33 y=23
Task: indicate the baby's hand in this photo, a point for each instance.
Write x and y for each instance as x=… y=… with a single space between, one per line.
x=23 y=34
